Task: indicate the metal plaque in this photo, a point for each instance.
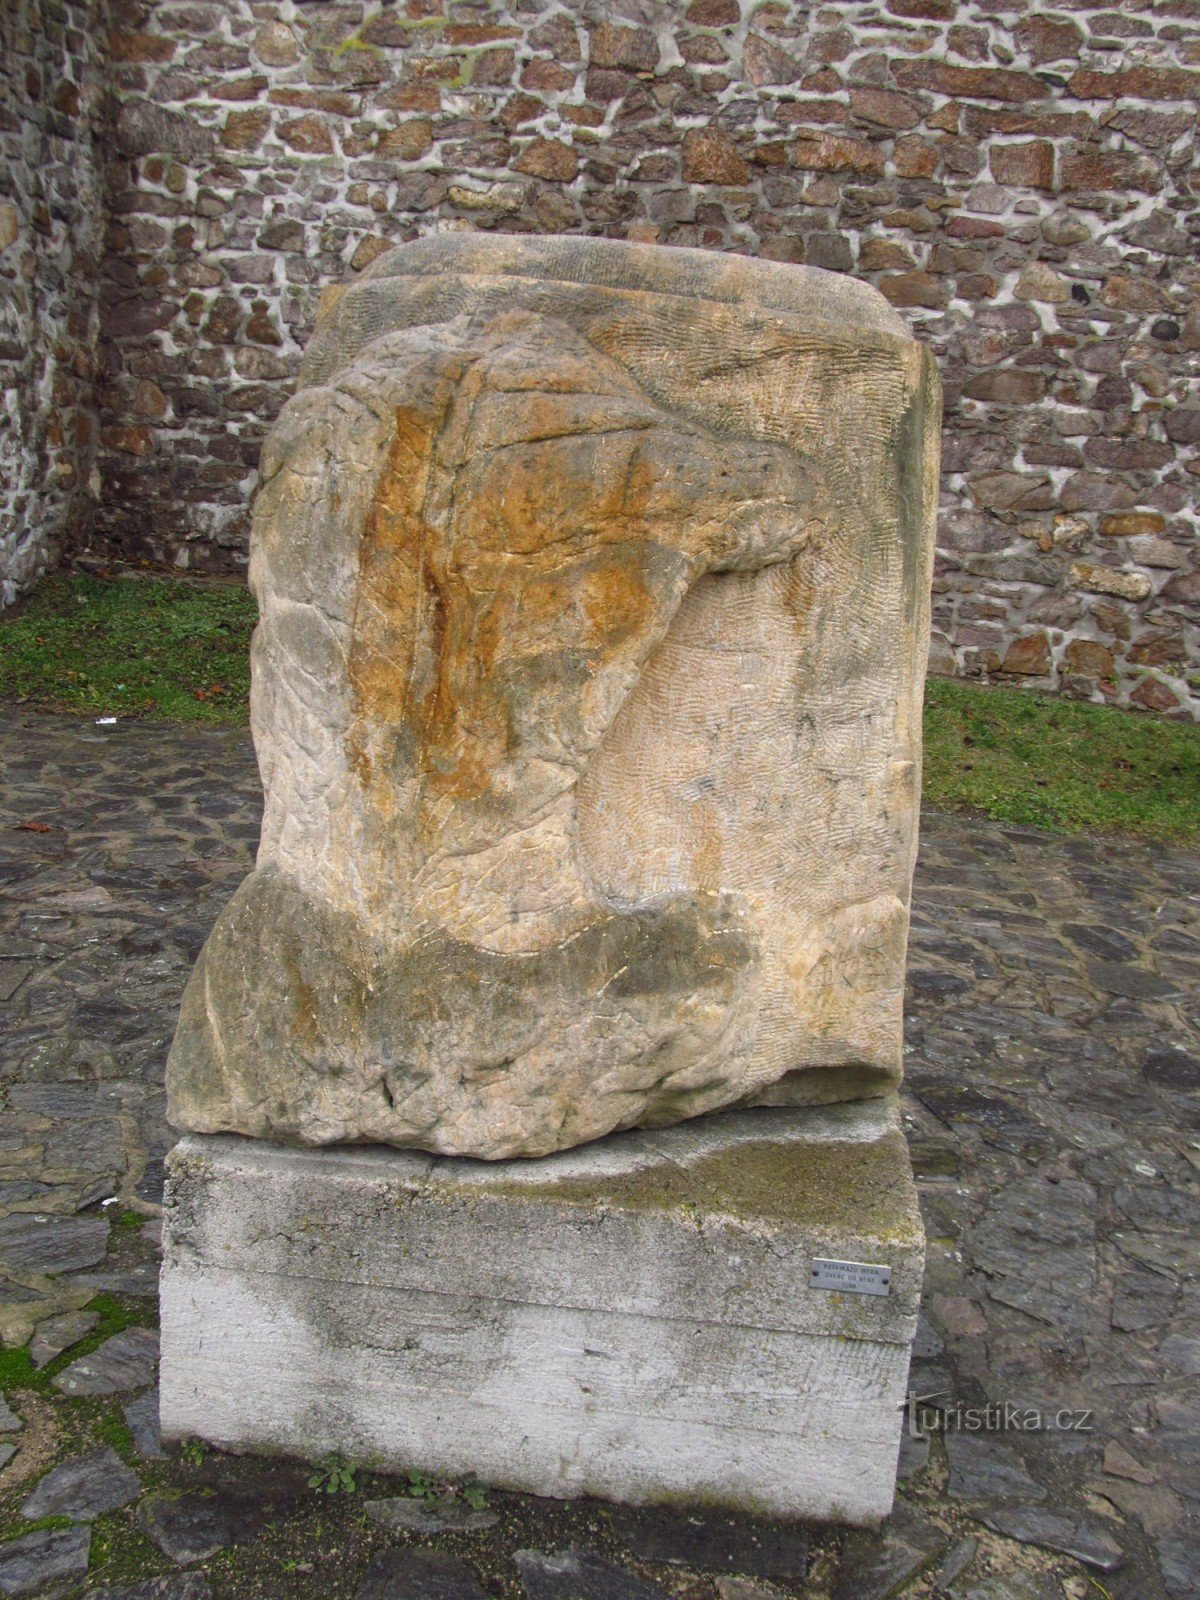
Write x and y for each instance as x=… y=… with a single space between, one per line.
x=850 y=1277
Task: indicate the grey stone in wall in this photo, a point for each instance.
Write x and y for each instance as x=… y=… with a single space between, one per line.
x=51 y=226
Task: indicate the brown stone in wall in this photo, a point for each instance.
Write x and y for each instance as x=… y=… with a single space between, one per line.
x=764 y=62
x=139 y=47
x=1154 y=695
x=913 y=289
x=406 y=142
x=1139 y=83
x=636 y=49
x=275 y=45
x=885 y=108
x=714 y=13
x=914 y=157
x=1109 y=169
x=1048 y=38
x=1157 y=650
x=1007 y=386
x=1089 y=657
x=1028 y=165
x=1028 y=657
x=543 y=77
x=710 y=156
x=309 y=134
x=977 y=83
x=831 y=152
x=549 y=159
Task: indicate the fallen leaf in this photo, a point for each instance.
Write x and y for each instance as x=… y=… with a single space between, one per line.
x=33 y=827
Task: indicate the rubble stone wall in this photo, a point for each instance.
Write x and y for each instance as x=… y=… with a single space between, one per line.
x=1019 y=179
x=51 y=231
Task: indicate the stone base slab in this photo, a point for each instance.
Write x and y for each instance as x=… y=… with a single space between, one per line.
x=634 y=1319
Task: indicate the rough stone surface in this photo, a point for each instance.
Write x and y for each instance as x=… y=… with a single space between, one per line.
x=184 y=1586
x=83 y=1488
x=404 y=1514
x=126 y=1361
x=1018 y=1067
x=1084 y=1537
x=602 y=566
x=37 y=1243
x=43 y=1563
x=579 y=1575
x=878 y=1565
x=714 y=1543
x=419 y=1575
x=190 y=1527
x=665 y=1275
x=141 y=1418
x=51 y=243
x=57 y=1334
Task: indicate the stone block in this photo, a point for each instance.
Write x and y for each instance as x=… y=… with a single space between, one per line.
x=593 y=587
x=636 y=1319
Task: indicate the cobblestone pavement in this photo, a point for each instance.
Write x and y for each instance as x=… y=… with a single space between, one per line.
x=1053 y=1069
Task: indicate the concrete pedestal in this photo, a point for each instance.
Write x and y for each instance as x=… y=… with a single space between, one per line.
x=637 y=1319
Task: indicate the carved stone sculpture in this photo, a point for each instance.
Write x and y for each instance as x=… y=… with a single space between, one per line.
x=593 y=585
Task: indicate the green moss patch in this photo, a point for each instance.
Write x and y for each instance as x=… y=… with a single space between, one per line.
x=130 y=647
x=1047 y=762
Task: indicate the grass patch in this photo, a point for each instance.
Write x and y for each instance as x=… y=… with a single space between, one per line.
x=164 y=648
x=1046 y=762
x=116 y=1313
x=130 y=647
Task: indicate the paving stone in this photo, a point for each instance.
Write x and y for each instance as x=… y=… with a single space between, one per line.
x=1179 y=1553
x=715 y=1543
x=746 y=1589
x=141 y=1418
x=1036 y=1244
x=1017 y=1585
x=421 y=1516
x=57 y=1334
x=83 y=1488
x=579 y=1575
x=38 y=1564
x=1173 y=1068
x=1084 y=1538
x=914 y=1456
x=876 y=1565
x=419 y=1575
x=129 y=1360
x=9 y=1420
x=956 y=1561
x=1120 y=1464
x=7 y=1452
x=181 y=1586
x=984 y=1469
x=193 y=1525
x=1181 y=1355
x=12 y=976
x=39 y=1243
x=1107 y=943
x=1135 y=983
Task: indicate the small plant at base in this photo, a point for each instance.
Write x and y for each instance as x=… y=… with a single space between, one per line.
x=424 y=1486
x=332 y=1475
x=193 y=1451
x=421 y=1486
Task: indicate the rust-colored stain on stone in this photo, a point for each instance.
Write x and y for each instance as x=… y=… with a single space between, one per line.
x=594 y=584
